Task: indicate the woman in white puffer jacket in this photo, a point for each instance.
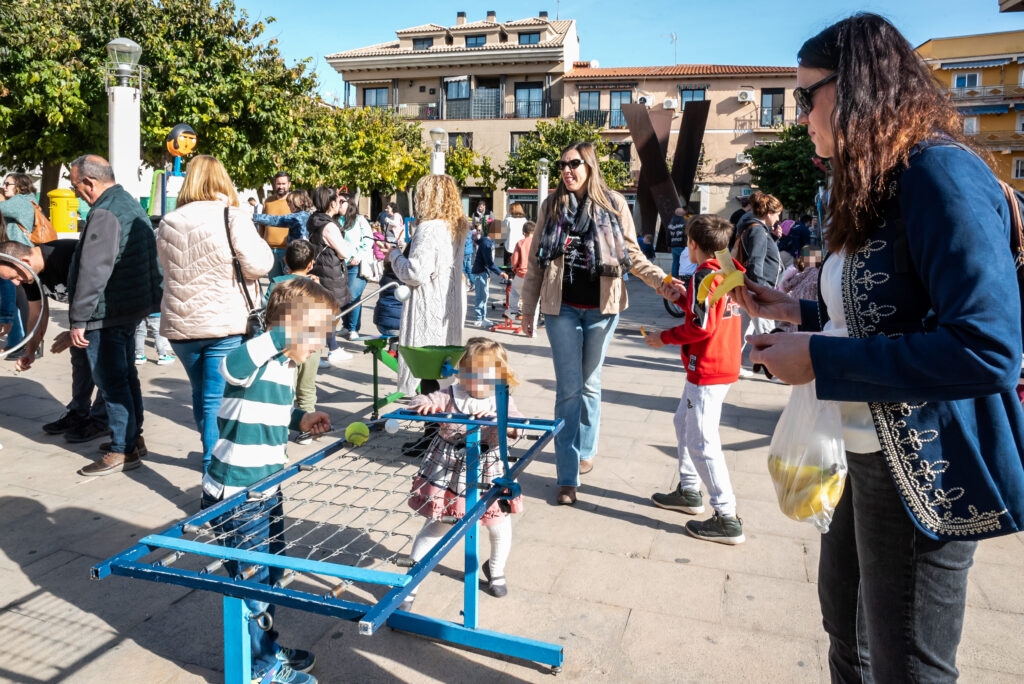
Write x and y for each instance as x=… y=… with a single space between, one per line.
x=203 y=312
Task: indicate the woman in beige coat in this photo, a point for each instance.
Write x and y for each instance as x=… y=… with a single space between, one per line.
x=203 y=312
x=584 y=243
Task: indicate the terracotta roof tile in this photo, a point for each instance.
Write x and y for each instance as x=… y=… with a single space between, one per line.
x=676 y=70
x=421 y=28
x=529 y=21
x=475 y=25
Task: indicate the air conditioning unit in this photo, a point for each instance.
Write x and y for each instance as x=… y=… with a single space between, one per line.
x=670 y=103
x=746 y=96
x=743 y=158
x=646 y=99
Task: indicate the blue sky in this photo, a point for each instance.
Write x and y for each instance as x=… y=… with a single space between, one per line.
x=720 y=32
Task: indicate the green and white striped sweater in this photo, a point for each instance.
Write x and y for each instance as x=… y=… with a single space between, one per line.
x=255 y=415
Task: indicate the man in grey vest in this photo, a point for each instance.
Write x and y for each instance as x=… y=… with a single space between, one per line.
x=114 y=281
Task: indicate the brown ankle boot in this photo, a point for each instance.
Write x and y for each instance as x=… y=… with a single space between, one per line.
x=566 y=496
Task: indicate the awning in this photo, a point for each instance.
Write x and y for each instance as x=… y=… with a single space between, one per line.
x=975 y=65
x=984 y=109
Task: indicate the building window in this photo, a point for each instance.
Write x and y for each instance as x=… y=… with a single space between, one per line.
x=375 y=97
x=458 y=90
x=475 y=41
x=516 y=139
x=695 y=95
x=529 y=38
x=970 y=125
x=463 y=139
x=972 y=80
x=1018 y=168
x=1020 y=119
x=422 y=43
x=529 y=100
x=622 y=151
x=772 y=106
x=590 y=101
x=619 y=98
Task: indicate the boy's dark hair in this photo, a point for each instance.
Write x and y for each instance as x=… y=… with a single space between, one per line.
x=805 y=219
x=529 y=227
x=710 y=232
x=18 y=250
x=393 y=205
x=297 y=294
x=299 y=255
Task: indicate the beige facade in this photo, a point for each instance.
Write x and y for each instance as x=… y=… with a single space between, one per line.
x=489 y=82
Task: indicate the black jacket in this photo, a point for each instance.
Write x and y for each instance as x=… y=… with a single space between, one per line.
x=327 y=265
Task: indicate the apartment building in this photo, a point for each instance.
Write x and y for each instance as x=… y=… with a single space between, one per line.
x=984 y=76
x=748 y=106
x=484 y=82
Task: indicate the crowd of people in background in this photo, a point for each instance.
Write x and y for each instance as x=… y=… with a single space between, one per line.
x=924 y=365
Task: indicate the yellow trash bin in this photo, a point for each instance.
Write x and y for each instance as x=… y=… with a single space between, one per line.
x=63 y=210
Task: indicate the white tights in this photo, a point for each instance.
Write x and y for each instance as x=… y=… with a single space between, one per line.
x=501 y=544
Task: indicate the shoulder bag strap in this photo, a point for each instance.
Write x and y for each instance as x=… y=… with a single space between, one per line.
x=234 y=262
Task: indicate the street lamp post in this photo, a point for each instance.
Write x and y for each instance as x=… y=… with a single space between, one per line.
x=542 y=181
x=123 y=77
x=437 y=135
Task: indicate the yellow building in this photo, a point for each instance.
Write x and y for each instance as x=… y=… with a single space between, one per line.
x=984 y=75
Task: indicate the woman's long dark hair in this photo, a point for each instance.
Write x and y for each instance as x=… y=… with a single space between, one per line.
x=886 y=102
x=323 y=196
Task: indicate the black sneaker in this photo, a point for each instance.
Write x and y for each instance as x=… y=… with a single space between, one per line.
x=296 y=659
x=66 y=422
x=683 y=500
x=85 y=432
x=724 y=529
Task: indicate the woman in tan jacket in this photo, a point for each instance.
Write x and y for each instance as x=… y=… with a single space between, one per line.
x=203 y=312
x=585 y=242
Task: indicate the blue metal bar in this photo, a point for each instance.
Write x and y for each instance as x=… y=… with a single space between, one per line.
x=463 y=419
x=390 y=579
x=502 y=397
x=237 y=645
x=470 y=582
x=495 y=642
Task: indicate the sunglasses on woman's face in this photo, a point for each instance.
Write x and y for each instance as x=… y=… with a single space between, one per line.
x=572 y=164
x=805 y=96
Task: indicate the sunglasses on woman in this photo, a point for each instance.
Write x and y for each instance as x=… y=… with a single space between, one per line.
x=572 y=164
x=805 y=96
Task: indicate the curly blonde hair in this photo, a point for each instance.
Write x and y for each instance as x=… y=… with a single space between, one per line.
x=438 y=197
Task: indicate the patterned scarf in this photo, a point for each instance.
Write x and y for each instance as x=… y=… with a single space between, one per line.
x=599 y=231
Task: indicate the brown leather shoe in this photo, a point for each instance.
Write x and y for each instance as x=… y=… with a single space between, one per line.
x=140 y=447
x=586 y=466
x=566 y=496
x=112 y=462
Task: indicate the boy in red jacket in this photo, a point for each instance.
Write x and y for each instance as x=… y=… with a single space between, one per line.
x=710 y=339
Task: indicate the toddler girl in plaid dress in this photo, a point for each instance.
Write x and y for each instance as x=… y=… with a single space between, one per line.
x=439 y=488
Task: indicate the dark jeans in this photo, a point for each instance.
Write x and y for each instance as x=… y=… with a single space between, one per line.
x=254 y=526
x=892 y=599
x=111 y=354
x=82 y=406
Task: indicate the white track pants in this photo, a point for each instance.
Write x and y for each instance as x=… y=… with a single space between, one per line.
x=700 y=446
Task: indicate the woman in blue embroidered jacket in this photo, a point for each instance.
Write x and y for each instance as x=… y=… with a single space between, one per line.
x=921 y=314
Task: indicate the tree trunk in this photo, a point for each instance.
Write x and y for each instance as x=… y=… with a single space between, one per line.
x=49 y=181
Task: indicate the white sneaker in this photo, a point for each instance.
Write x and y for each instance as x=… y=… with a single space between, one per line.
x=747 y=373
x=483 y=324
x=140 y=359
x=324 y=363
x=338 y=357
x=353 y=335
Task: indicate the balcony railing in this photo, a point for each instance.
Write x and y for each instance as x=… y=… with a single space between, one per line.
x=601 y=118
x=987 y=93
x=419 y=111
x=768 y=117
x=1000 y=139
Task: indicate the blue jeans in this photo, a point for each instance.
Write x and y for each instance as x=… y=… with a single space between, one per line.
x=82 y=406
x=254 y=526
x=481 y=283
x=278 y=269
x=202 y=359
x=676 y=253
x=579 y=339
x=356 y=285
x=111 y=354
x=9 y=312
x=892 y=599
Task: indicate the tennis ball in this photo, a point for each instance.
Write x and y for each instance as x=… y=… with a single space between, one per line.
x=391 y=426
x=357 y=433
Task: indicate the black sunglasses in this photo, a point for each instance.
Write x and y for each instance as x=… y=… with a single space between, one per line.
x=572 y=164
x=805 y=96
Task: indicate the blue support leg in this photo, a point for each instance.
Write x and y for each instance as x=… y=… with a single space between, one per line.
x=471 y=596
x=237 y=646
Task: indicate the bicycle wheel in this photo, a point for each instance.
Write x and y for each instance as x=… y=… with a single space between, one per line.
x=673 y=308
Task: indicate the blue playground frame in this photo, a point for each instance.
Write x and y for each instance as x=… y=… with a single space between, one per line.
x=369 y=617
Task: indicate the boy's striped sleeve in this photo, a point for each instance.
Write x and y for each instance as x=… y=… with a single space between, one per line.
x=239 y=367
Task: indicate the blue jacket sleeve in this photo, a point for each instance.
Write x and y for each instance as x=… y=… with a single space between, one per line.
x=957 y=232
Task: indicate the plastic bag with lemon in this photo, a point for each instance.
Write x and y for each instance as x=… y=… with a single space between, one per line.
x=807 y=459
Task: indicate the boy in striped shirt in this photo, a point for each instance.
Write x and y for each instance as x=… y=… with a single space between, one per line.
x=254 y=420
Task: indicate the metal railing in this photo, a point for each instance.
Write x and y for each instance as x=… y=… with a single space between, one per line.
x=419 y=111
x=482 y=103
x=1005 y=139
x=601 y=118
x=990 y=92
x=768 y=117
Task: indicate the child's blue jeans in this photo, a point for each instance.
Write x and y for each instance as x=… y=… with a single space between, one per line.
x=480 y=284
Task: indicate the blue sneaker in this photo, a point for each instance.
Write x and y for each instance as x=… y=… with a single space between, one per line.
x=296 y=659
x=285 y=675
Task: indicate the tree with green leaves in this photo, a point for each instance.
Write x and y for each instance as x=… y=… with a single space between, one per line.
x=787 y=170
x=548 y=141
x=463 y=164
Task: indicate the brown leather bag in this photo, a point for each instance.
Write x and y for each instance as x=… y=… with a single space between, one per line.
x=42 y=230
